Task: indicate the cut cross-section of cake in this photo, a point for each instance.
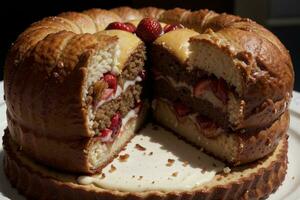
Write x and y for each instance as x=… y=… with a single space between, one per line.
x=211 y=93
x=86 y=102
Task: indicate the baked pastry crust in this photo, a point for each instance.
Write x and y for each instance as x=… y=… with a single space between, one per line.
x=253 y=181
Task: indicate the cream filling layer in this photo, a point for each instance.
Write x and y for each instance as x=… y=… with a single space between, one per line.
x=207 y=95
x=119 y=90
x=192 y=118
x=157 y=160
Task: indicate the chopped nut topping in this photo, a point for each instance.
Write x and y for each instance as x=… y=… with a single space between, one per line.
x=112 y=168
x=139 y=147
x=185 y=163
x=170 y=162
x=123 y=158
x=102 y=176
x=175 y=174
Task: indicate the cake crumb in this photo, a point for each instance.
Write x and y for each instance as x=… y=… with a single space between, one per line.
x=133 y=176
x=175 y=174
x=293 y=177
x=153 y=182
x=102 y=176
x=140 y=147
x=123 y=158
x=226 y=170
x=151 y=153
x=185 y=163
x=140 y=177
x=170 y=162
x=112 y=168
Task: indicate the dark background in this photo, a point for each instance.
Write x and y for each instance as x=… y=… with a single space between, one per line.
x=281 y=17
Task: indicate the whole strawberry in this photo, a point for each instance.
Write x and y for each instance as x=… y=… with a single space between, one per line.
x=121 y=26
x=172 y=27
x=149 y=29
x=131 y=27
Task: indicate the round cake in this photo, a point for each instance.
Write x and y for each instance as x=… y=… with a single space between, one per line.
x=78 y=87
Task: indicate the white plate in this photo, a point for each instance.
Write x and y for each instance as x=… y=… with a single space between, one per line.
x=290 y=189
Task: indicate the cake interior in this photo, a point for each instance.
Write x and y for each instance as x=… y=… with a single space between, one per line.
x=113 y=99
x=114 y=92
x=199 y=89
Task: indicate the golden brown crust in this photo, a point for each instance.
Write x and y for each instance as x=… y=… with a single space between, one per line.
x=102 y=17
x=254 y=181
x=127 y=13
x=83 y=21
x=257 y=145
x=174 y=16
x=151 y=12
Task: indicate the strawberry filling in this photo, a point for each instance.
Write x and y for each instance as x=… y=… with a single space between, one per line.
x=112 y=84
x=181 y=109
x=207 y=126
x=217 y=86
x=111 y=80
x=205 y=123
x=109 y=134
